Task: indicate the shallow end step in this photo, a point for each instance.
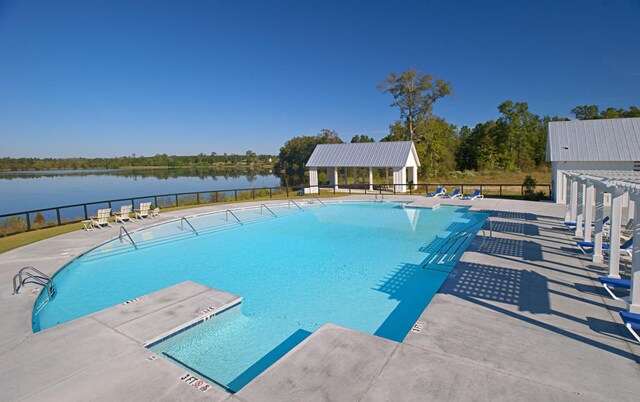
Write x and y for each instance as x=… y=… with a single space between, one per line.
x=151 y=317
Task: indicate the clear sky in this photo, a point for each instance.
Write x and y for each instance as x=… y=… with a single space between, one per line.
x=111 y=78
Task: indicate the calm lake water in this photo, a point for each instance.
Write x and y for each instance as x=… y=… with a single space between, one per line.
x=21 y=191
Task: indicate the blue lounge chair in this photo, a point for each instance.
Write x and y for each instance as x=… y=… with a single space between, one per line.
x=456 y=193
x=439 y=192
x=572 y=225
x=626 y=246
x=632 y=322
x=476 y=194
x=611 y=283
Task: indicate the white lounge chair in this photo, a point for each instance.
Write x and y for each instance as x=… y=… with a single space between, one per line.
x=476 y=194
x=102 y=218
x=155 y=212
x=143 y=212
x=123 y=215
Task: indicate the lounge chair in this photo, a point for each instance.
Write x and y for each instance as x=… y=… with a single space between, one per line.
x=572 y=225
x=632 y=322
x=626 y=246
x=439 y=192
x=123 y=215
x=476 y=194
x=612 y=283
x=155 y=212
x=102 y=218
x=143 y=212
x=456 y=193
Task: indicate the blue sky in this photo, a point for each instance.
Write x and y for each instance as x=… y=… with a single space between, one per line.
x=107 y=78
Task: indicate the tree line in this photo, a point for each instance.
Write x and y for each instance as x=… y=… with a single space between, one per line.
x=159 y=160
x=516 y=141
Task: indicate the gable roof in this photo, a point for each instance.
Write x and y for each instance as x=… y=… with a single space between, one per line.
x=594 y=140
x=363 y=154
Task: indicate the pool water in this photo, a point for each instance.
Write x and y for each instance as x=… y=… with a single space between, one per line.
x=359 y=265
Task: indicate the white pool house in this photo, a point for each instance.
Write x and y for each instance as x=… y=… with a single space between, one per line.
x=358 y=159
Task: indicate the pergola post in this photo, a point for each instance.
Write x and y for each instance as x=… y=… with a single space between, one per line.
x=634 y=297
x=614 y=240
x=370 y=178
x=574 y=200
x=414 y=176
x=580 y=211
x=597 y=249
x=335 y=178
x=588 y=212
x=567 y=191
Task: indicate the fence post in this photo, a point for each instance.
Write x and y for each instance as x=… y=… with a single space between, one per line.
x=501 y=190
x=197 y=198
x=410 y=189
x=28 y=222
x=86 y=213
x=133 y=203
x=270 y=196
x=110 y=205
x=176 y=200
x=58 y=216
x=216 y=196
x=522 y=191
x=155 y=198
x=253 y=193
x=462 y=188
x=394 y=189
x=481 y=189
x=287 y=191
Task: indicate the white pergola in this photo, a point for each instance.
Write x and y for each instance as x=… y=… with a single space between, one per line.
x=587 y=187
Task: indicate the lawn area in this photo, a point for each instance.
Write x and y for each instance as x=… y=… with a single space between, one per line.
x=491 y=177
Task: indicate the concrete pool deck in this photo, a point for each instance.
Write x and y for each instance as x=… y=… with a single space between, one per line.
x=520 y=315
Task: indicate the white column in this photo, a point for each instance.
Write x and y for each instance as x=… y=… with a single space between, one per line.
x=399 y=179
x=336 y=178
x=588 y=212
x=632 y=209
x=580 y=211
x=371 y=178
x=414 y=176
x=566 y=194
x=634 y=297
x=597 y=238
x=574 y=200
x=313 y=179
x=614 y=241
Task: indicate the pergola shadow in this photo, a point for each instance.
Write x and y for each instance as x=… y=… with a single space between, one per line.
x=494 y=288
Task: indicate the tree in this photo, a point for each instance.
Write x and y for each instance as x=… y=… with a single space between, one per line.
x=586 y=112
x=362 y=138
x=296 y=152
x=414 y=94
x=250 y=156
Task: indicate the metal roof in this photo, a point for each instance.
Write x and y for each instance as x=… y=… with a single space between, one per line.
x=594 y=140
x=363 y=154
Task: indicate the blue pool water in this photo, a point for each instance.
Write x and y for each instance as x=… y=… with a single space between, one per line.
x=359 y=265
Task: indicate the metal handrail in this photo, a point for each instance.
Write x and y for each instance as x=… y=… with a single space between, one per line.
x=375 y=199
x=268 y=209
x=294 y=203
x=41 y=279
x=128 y=235
x=232 y=214
x=453 y=239
x=182 y=220
x=320 y=201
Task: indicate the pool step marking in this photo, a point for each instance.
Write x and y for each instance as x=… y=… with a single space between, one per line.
x=190 y=379
x=206 y=310
x=137 y=299
x=417 y=327
x=152 y=358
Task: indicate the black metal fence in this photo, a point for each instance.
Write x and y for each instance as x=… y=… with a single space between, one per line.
x=24 y=221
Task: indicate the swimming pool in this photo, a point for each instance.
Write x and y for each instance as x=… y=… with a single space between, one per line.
x=360 y=265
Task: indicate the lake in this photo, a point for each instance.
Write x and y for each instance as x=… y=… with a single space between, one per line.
x=22 y=191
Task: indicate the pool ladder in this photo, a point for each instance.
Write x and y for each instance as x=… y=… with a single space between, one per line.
x=441 y=257
x=35 y=276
